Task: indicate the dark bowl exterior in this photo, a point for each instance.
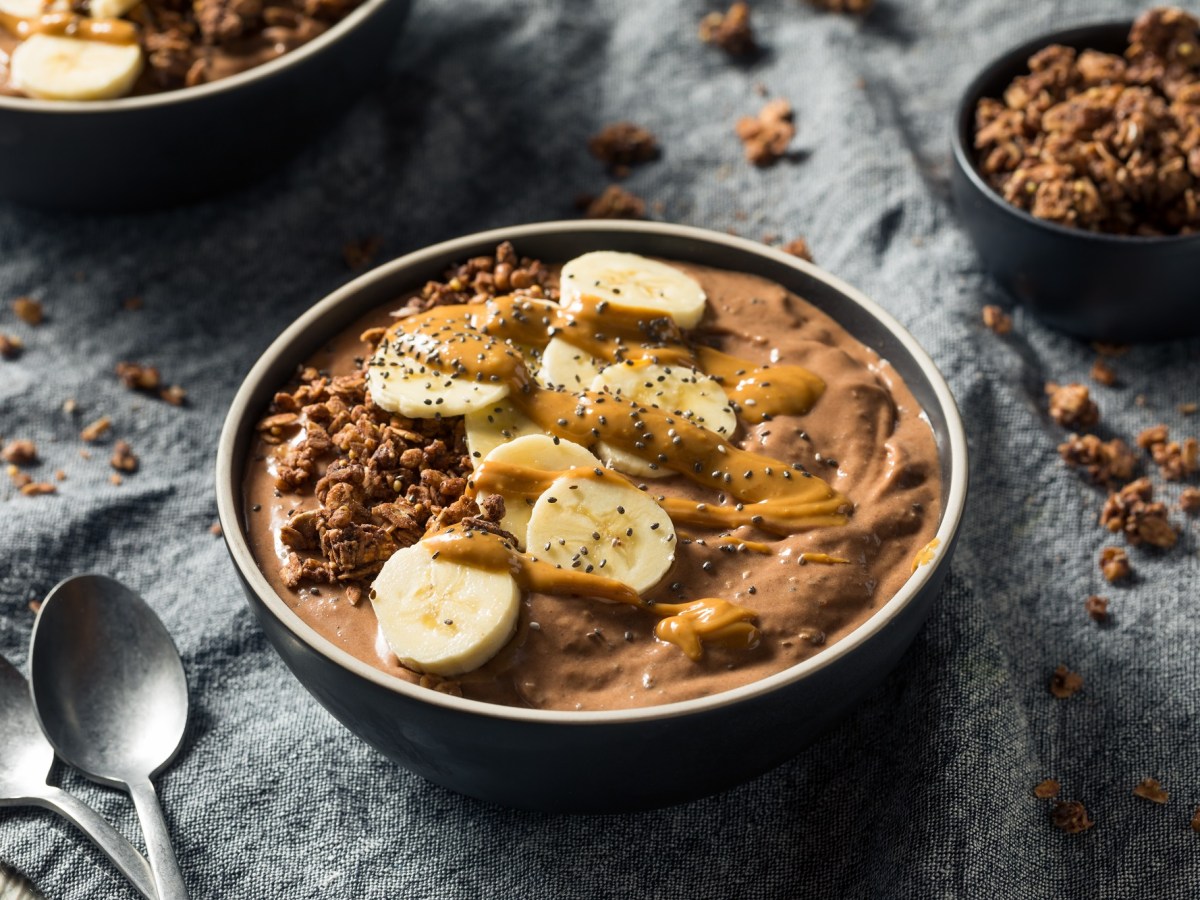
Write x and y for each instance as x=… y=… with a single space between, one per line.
x=194 y=142
x=553 y=761
x=1094 y=286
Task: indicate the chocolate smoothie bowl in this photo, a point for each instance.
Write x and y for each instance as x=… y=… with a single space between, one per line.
x=510 y=514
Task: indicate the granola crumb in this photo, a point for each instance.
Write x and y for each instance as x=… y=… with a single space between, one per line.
x=70 y=405
x=115 y=479
x=1070 y=816
x=17 y=477
x=1176 y=460
x=1103 y=373
x=766 y=137
x=60 y=475
x=96 y=430
x=1187 y=409
x=1104 y=462
x=20 y=452
x=1071 y=406
x=11 y=346
x=1112 y=350
x=1064 y=683
x=137 y=377
x=614 y=203
x=84 y=453
x=29 y=311
x=1196 y=820
x=123 y=458
x=1097 y=608
x=1189 y=500
x=174 y=395
x=37 y=488
x=1150 y=789
x=35 y=606
x=798 y=248
x=853 y=7
x=359 y=254
x=1133 y=512
x=1046 y=789
x=997 y=319
x=215 y=529
x=132 y=304
x=623 y=144
x=731 y=31
x=1115 y=564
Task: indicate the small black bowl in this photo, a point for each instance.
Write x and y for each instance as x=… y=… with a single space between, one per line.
x=1095 y=286
x=159 y=149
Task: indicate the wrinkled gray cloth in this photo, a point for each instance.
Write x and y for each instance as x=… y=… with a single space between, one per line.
x=925 y=790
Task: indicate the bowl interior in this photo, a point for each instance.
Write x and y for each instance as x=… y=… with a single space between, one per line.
x=556 y=242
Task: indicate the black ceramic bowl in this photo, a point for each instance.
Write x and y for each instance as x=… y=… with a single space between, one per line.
x=158 y=149
x=595 y=761
x=1095 y=286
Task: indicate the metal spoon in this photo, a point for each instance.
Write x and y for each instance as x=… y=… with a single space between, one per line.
x=25 y=760
x=110 y=692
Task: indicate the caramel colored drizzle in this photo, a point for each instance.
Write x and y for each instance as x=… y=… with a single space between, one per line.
x=64 y=24
x=925 y=555
x=823 y=559
x=686 y=625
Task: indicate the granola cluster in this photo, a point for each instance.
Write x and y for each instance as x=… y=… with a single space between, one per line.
x=1134 y=512
x=766 y=137
x=731 y=30
x=1103 y=142
x=380 y=480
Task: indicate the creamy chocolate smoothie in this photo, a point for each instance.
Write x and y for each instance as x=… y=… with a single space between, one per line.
x=784 y=531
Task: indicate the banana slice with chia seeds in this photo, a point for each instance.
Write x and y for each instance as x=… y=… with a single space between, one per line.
x=494 y=425
x=630 y=281
x=565 y=367
x=402 y=381
x=49 y=67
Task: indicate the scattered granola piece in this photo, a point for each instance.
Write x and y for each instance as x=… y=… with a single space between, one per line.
x=731 y=31
x=115 y=479
x=37 y=488
x=132 y=304
x=1071 y=406
x=1047 y=789
x=123 y=458
x=96 y=430
x=1115 y=564
x=1132 y=512
x=29 y=310
x=70 y=405
x=854 y=7
x=138 y=377
x=766 y=137
x=1196 y=820
x=215 y=529
x=17 y=477
x=19 y=452
x=614 y=203
x=35 y=606
x=60 y=475
x=1065 y=683
x=997 y=319
x=1150 y=789
x=1105 y=462
x=1112 y=350
x=1187 y=409
x=1189 y=500
x=1155 y=434
x=1070 y=816
x=1103 y=373
x=10 y=346
x=623 y=144
x=798 y=248
x=358 y=254
x=1097 y=607
x=1176 y=459
x=174 y=395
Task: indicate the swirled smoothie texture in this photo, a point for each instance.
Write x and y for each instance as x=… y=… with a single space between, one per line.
x=784 y=524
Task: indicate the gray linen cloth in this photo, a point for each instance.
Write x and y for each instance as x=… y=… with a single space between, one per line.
x=925 y=790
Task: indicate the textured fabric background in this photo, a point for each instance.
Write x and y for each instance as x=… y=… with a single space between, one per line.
x=925 y=791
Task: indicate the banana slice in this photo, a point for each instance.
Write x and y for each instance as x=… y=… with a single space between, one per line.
x=402 y=383
x=603 y=526
x=535 y=451
x=111 y=9
x=492 y=426
x=442 y=617
x=62 y=68
x=565 y=367
x=630 y=281
x=26 y=9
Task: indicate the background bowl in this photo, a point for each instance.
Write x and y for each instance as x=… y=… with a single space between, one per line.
x=158 y=149
x=595 y=761
x=1095 y=286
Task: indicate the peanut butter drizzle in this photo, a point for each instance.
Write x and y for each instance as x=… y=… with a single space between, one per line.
x=686 y=625
x=481 y=341
x=64 y=24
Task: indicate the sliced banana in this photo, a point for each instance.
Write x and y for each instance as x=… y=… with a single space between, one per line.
x=111 y=9
x=63 y=68
x=401 y=383
x=565 y=367
x=534 y=451
x=603 y=526
x=494 y=425
x=627 y=280
x=679 y=390
x=26 y=9
x=442 y=617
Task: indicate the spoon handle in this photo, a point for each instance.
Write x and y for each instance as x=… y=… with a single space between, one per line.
x=131 y=863
x=167 y=878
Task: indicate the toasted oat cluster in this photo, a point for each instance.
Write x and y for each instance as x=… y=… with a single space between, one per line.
x=1099 y=141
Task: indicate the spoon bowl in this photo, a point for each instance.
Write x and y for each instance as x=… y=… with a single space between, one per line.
x=111 y=695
